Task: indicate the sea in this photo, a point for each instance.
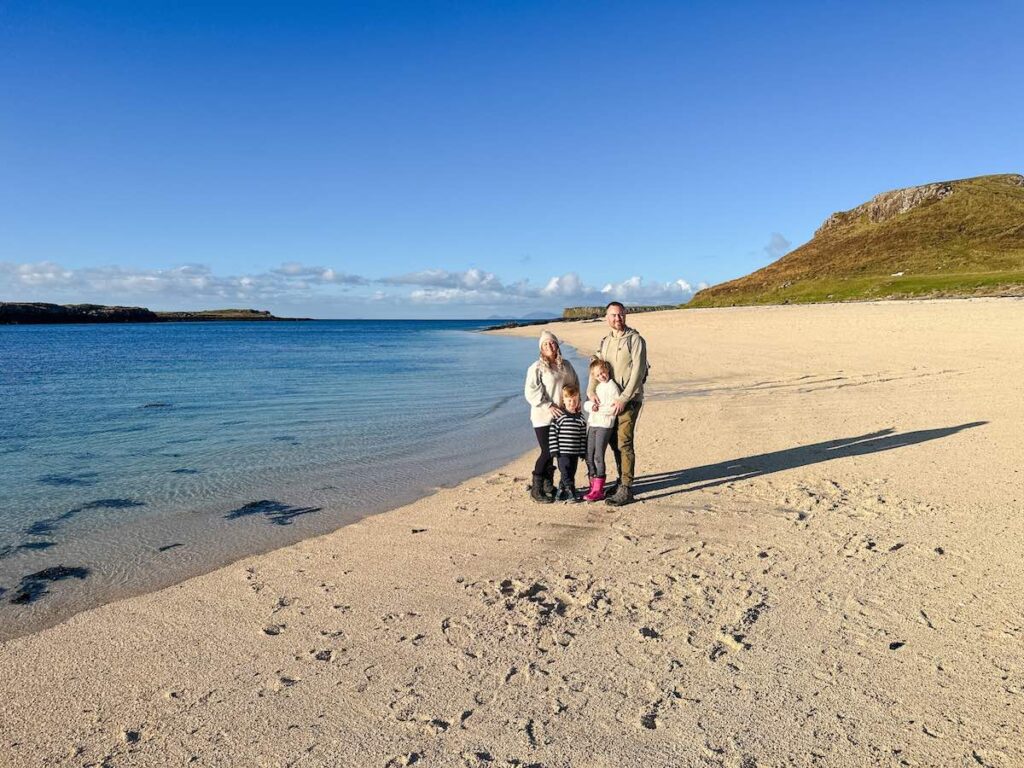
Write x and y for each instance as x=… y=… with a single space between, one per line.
x=135 y=456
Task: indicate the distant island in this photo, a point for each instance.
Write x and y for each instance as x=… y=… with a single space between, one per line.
x=37 y=313
x=945 y=239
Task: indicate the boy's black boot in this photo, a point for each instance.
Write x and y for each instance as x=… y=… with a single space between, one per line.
x=549 y=486
x=537 y=490
x=571 y=494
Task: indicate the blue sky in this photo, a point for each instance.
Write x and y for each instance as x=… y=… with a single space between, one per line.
x=468 y=159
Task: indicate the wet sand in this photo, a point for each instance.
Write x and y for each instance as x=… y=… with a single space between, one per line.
x=823 y=568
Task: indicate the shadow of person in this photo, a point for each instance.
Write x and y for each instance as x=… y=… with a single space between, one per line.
x=748 y=467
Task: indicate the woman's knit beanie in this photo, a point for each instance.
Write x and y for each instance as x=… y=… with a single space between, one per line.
x=547 y=336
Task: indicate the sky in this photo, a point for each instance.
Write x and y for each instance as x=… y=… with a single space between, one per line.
x=470 y=159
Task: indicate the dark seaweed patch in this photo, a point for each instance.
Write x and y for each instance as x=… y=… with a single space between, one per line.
x=275 y=512
x=157 y=405
x=29 y=592
x=10 y=549
x=37 y=545
x=36 y=585
x=113 y=504
x=78 y=478
x=165 y=547
x=50 y=524
x=184 y=471
x=41 y=528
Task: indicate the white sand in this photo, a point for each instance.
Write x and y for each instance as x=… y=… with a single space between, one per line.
x=824 y=568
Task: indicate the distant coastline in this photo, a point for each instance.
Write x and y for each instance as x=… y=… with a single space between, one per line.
x=38 y=313
x=577 y=314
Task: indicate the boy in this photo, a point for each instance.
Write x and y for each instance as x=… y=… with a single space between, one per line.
x=568 y=442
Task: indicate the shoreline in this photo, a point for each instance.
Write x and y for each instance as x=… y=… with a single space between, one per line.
x=113 y=555
x=257 y=539
x=807 y=547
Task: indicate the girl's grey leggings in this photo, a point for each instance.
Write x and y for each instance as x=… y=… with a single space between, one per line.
x=597 y=443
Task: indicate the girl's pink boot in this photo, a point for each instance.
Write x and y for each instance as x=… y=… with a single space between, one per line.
x=596 y=489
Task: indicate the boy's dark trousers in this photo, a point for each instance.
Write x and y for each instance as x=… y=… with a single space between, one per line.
x=567 y=469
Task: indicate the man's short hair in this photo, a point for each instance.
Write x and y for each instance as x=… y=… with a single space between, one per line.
x=618 y=304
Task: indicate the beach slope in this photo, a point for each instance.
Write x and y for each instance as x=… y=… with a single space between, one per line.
x=823 y=568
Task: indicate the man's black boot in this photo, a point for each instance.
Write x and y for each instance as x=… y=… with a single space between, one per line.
x=623 y=495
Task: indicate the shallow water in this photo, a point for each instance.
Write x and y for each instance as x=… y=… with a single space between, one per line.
x=132 y=456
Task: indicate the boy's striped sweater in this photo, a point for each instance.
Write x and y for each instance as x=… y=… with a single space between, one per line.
x=568 y=435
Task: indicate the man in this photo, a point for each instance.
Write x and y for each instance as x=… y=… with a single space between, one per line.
x=626 y=353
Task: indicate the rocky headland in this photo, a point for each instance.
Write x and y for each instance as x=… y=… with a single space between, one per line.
x=949 y=239
x=37 y=313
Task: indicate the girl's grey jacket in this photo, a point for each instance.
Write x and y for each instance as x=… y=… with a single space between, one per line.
x=544 y=388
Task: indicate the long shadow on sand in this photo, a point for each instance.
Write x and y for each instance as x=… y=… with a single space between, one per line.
x=710 y=475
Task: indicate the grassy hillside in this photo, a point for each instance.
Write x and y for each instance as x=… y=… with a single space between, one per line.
x=951 y=238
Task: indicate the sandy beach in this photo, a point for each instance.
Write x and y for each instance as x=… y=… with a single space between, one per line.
x=823 y=568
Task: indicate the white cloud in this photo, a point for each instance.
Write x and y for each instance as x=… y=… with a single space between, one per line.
x=471 y=279
x=635 y=290
x=317 y=275
x=777 y=246
x=295 y=285
x=568 y=284
x=190 y=283
x=43 y=273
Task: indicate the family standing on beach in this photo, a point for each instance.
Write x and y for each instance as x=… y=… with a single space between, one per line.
x=567 y=431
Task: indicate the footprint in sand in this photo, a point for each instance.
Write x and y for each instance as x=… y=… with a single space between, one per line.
x=281 y=683
x=400 y=761
x=479 y=759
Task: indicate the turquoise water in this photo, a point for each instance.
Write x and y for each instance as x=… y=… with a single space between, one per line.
x=132 y=456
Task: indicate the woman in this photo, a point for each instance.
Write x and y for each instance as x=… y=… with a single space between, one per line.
x=544 y=382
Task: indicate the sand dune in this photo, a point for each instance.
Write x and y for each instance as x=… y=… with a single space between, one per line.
x=824 y=568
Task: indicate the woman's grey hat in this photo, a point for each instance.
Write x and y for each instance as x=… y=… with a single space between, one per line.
x=547 y=336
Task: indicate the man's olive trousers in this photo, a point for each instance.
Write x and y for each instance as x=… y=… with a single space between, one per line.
x=622 y=441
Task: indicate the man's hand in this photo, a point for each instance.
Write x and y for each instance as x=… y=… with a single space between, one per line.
x=618 y=408
x=555 y=410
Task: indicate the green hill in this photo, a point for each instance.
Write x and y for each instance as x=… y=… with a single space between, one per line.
x=951 y=238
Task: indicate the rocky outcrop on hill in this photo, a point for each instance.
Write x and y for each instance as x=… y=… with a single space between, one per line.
x=889 y=205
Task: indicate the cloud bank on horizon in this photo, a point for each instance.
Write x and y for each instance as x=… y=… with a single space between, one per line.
x=325 y=292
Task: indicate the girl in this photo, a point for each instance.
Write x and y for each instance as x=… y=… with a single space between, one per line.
x=600 y=425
